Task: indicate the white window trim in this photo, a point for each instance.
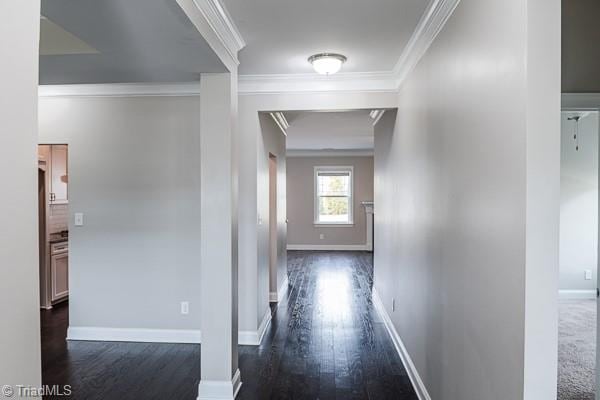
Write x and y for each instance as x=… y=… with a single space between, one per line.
x=334 y=168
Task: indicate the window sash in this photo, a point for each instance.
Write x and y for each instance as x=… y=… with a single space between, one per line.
x=321 y=192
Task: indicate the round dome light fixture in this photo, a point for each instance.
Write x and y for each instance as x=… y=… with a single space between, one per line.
x=327 y=63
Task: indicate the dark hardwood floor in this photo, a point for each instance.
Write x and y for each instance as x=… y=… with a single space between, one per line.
x=326 y=341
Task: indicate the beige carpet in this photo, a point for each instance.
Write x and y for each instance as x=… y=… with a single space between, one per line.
x=576 y=349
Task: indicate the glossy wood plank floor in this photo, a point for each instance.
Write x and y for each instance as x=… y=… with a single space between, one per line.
x=325 y=342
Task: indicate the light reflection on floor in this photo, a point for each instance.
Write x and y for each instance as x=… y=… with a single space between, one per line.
x=334 y=294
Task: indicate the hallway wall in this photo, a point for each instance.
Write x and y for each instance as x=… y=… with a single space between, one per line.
x=20 y=359
x=134 y=171
x=466 y=204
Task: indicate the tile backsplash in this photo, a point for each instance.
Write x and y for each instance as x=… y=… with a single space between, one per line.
x=59 y=218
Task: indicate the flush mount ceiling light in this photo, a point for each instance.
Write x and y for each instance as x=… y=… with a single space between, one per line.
x=327 y=63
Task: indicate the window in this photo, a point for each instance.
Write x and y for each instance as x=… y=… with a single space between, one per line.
x=333 y=195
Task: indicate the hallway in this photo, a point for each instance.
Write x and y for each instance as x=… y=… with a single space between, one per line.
x=325 y=341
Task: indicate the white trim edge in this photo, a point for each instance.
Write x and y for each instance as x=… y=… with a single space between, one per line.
x=329 y=153
x=220 y=390
x=121 y=90
x=413 y=374
x=576 y=294
x=330 y=247
x=277 y=297
x=281 y=121
x=433 y=20
x=254 y=338
x=217 y=28
x=134 y=335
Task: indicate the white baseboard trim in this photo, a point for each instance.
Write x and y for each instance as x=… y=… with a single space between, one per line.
x=576 y=294
x=96 y=334
x=134 y=335
x=254 y=338
x=277 y=297
x=220 y=390
x=413 y=374
x=329 y=247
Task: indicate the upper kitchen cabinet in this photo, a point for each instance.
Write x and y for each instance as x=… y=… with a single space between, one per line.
x=59 y=174
x=55 y=160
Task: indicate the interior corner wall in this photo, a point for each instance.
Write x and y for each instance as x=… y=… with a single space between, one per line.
x=20 y=355
x=134 y=172
x=458 y=171
x=272 y=142
x=301 y=227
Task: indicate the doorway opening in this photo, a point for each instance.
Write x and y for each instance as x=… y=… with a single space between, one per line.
x=578 y=255
x=53 y=213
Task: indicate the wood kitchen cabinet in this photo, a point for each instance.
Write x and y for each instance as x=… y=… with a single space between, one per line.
x=59 y=271
x=55 y=158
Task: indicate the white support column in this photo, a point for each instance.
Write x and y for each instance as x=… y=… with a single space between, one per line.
x=20 y=355
x=368 y=205
x=219 y=377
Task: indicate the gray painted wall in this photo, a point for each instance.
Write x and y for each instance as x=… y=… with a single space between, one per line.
x=466 y=195
x=134 y=172
x=300 y=194
x=580 y=50
x=578 y=234
x=20 y=361
x=579 y=203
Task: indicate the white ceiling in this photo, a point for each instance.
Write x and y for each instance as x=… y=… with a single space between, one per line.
x=351 y=130
x=583 y=164
x=134 y=41
x=281 y=34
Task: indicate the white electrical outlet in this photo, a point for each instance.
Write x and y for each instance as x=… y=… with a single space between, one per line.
x=78 y=219
x=393 y=304
x=185 y=307
x=322 y=236
x=588 y=274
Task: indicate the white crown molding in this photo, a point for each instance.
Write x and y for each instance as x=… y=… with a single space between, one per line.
x=120 y=90
x=330 y=153
x=376 y=116
x=433 y=20
x=281 y=121
x=216 y=26
x=307 y=83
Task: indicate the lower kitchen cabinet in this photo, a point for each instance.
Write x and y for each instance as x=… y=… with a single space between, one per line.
x=59 y=269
